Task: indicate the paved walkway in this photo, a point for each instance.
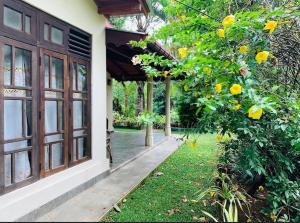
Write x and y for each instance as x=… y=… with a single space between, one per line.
x=92 y=204
x=126 y=145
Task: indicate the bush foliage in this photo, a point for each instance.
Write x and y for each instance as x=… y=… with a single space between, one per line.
x=241 y=73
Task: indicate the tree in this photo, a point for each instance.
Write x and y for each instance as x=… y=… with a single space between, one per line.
x=240 y=62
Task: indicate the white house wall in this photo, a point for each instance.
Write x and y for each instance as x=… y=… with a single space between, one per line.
x=82 y=14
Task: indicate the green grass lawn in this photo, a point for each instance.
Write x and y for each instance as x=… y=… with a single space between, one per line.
x=171 y=196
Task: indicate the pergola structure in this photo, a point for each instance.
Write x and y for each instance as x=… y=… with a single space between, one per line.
x=120 y=67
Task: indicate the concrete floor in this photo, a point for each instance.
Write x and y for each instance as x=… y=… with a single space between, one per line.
x=126 y=145
x=95 y=202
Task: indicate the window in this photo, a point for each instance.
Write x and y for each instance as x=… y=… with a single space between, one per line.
x=45 y=124
x=54 y=107
x=18 y=21
x=79 y=95
x=12 y=18
x=18 y=114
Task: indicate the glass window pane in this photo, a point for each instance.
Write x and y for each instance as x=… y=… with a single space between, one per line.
x=46 y=32
x=85 y=113
x=77 y=114
x=7 y=167
x=82 y=145
x=12 y=119
x=57 y=155
x=50 y=116
x=47 y=157
x=74 y=150
x=22 y=166
x=57 y=73
x=47 y=71
x=9 y=147
x=12 y=18
x=28 y=120
x=22 y=68
x=61 y=115
x=82 y=78
x=74 y=76
x=57 y=36
x=53 y=138
x=28 y=24
x=7 y=51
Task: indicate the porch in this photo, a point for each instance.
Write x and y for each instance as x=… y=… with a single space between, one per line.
x=127 y=145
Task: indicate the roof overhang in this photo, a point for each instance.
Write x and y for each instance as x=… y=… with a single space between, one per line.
x=119 y=55
x=122 y=7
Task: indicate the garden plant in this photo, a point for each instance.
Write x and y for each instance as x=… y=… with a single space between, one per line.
x=240 y=65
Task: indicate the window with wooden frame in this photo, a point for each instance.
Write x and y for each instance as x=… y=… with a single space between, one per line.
x=18 y=121
x=45 y=106
x=54 y=85
x=18 y=20
x=53 y=33
x=80 y=110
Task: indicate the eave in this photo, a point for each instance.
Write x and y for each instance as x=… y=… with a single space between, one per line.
x=122 y=7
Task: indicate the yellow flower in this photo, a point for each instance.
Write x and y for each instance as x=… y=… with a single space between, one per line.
x=207 y=70
x=193 y=145
x=270 y=25
x=243 y=49
x=218 y=88
x=221 y=33
x=212 y=193
x=186 y=88
x=183 y=17
x=237 y=107
x=261 y=189
x=262 y=56
x=182 y=52
x=228 y=21
x=166 y=73
x=273 y=217
x=219 y=137
x=255 y=112
x=236 y=89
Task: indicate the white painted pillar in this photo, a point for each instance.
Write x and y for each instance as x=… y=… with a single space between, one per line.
x=149 y=129
x=168 y=107
x=109 y=102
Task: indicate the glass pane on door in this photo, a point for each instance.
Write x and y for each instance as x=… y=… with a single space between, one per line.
x=13 y=119
x=7 y=55
x=22 y=68
x=57 y=73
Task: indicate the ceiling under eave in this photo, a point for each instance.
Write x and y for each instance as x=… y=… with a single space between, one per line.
x=122 y=7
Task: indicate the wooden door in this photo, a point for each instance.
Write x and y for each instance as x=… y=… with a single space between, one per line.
x=19 y=156
x=54 y=121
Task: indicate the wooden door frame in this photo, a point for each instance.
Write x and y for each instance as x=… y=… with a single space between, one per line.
x=87 y=63
x=64 y=57
x=34 y=89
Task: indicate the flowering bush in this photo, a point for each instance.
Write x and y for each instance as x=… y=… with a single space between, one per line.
x=235 y=70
